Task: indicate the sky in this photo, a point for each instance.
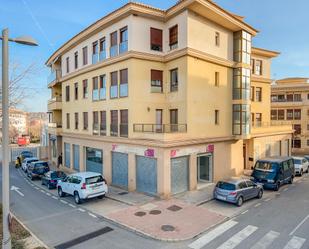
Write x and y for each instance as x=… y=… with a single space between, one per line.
x=283 y=26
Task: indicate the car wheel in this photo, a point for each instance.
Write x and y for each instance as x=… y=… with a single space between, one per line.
x=101 y=196
x=291 y=180
x=301 y=172
x=277 y=186
x=260 y=194
x=77 y=198
x=60 y=192
x=240 y=201
x=49 y=186
x=31 y=177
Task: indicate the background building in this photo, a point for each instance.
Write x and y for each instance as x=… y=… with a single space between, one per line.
x=159 y=100
x=290 y=105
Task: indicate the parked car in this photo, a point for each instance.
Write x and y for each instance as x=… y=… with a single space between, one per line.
x=24 y=154
x=301 y=165
x=37 y=169
x=237 y=190
x=82 y=186
x=51 y=178
x=27 y=162
x=273 y=172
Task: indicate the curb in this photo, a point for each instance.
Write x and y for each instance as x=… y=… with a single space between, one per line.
x=31 y=233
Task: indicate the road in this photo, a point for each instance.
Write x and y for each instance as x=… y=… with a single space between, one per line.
x=62 y=224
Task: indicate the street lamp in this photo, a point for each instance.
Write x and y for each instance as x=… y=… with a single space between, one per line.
x=26 y=40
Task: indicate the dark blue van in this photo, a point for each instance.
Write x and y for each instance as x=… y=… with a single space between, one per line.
x=273 y=172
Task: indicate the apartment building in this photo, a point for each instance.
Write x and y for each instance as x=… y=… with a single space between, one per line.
x=159 y=100
x=290 y=105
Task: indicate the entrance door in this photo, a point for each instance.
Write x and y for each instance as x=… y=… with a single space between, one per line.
x=244 y=151
x=204 y=168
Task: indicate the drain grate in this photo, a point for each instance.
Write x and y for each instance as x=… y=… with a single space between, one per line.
x=123 y=193
x=155 y=212
x=140 y=214
x=167 y=228
x=174 y=208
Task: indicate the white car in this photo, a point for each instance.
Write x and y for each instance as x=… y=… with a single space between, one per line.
x=26 y=163
x=82 y=186
x=301 y=165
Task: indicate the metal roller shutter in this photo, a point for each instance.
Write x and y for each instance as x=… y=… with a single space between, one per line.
x=146 y=175
x=120 y=169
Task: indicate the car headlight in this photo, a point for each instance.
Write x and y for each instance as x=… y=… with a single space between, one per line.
x=270 y=181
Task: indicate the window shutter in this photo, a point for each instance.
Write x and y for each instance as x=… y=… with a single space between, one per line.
x=114 y=78
x=174 y=35
x=124 y=116
x=114 y=39
x=157 y=75
x=124 y=76
x=156 y=36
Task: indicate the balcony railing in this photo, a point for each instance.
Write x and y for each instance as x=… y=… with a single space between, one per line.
x=114 y=91
x=55 y=99
x=102 y=130
x=114 y=130
x=123 y=91
x=95 y=95
x=102 y=93
x=95 y=129
x=160 y=128
x=286 y=100
x=113 y=51
x=54 y=75
x=123 y=47
x=54 y=125
x=95 y=58
x=123 y=130
x=272 y=123
x=102 y=55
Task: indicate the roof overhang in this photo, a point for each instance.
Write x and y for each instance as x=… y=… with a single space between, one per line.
x=264 y=52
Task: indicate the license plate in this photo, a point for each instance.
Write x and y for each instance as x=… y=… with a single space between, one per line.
x=220 y=197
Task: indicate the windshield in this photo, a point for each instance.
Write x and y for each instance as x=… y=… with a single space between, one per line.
x=95 y=179
x=266 y=166
x=33 y=160
x=297 y=161
x=39 y=165
x=57 y=174
x=226 y=186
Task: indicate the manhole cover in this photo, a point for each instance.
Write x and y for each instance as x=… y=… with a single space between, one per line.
x=140 y=214
x=167 y=228
x=123 y=193
x=155 y=212
x=174 y=208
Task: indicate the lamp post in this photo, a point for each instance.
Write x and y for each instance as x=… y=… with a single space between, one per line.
x=26 y=40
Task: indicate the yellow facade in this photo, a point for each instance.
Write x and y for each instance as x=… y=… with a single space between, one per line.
x=197 y=147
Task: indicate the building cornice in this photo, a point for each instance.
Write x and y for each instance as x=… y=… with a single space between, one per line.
x=261 y=80
x=264 y=52
x=265 y=133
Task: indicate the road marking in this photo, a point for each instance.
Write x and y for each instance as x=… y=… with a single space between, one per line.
x=210 y=236
x=268 y=199
x=71 y=205
x=238 y=237
x=32 y=185
x=299 y=225
x=82 y=210
x=64 y=202
x=16 y=189
x=266 y=241
x=54 y=197
x=42 y=191
x=92 y=215
x=295 y=243
x=293 y=185
x=36 y=188
x=48 y=194
x=258 y=204
x=286 y=189
x=245 y=211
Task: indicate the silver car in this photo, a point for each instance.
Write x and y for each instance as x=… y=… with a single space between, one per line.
x=237 y=190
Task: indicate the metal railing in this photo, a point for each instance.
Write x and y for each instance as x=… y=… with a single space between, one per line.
x=124 y=128
x=95 y=58
x=285 y=100
x=113 y=51
x=54 y=125
x=272 y=123
x=102 y=55
x=55 y=99
x=102 y=130
x=123 y=47
x=95 y=129
x=54 y=75
x=160 y=128
x=114 y=130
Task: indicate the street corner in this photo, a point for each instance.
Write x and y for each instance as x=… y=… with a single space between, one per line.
x=167 y=220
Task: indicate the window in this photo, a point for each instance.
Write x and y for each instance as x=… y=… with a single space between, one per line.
x=241 y=84
x=242 y=47
x=297 y=128
x=123 y=88
x=174 y=120
x=124 y=123
x=274 y=114
x=123 y=46
x=156 y=81
x=281 y=98
x=114 y=85
x=258 y=94
x=308 y=127
x=308 y=96
x=289 y=97
x=241 y=119
x=258 y=119
x=174 y=80
x=258 y=67
x=156 y=38
x=103 y=123
x=217 y=79
x=297 y=114
x=252 y=66
x=76 y=60
x=68 y=64
x=274 y=98
x=102 y=55
x=307 y=142
x=76 y=91
x=85 y=119
x=85 y=89
x=297 y=97
x=173 y=37
x=281 y=115
x=114 y=123
x=217 y=39
x=296 y=143
x=76 y=120
x=95 y=47
x=114 y=47
x=216 y=117
x=68 y=120
x=102 y=93
x=95 y=88
x=289 y=114
x=85 y=56
x=95 y=125
x=67 y=93
x=252 y=93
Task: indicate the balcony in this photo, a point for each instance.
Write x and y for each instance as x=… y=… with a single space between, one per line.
x=113 y=51
x=55 y=104
x=95 y=95
x=55 y=128
x=102 y=55
x=102 y=93
x=123 y=90
x=114 y=91
x=54 y=77
x=95 y=58
x=264 y=128
x=160 y=128
x=123 y=47
x=286 y=103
